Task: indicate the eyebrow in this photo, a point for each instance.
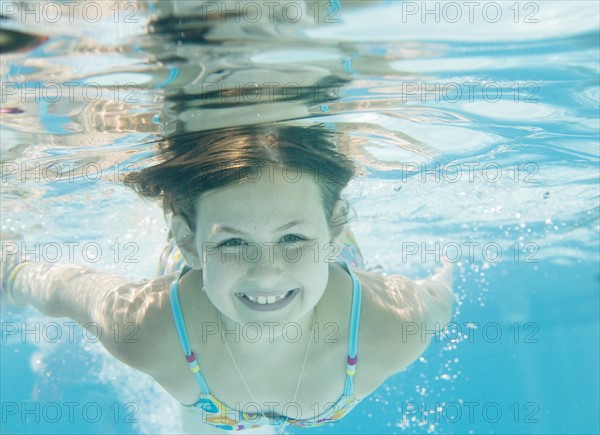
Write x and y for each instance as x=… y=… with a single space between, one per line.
x=225 y=229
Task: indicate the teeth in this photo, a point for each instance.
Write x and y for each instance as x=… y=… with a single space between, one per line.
x=265 y=299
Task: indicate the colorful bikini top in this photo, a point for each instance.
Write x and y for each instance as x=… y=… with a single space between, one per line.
x=218 y=414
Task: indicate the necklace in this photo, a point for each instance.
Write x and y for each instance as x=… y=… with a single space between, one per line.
x=244 y=380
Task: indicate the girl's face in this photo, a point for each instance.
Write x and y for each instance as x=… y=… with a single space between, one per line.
x=265 y=246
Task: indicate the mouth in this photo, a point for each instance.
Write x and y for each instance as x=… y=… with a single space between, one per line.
x=268 y=302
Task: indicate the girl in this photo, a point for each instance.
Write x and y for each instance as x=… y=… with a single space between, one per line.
x=264 y=324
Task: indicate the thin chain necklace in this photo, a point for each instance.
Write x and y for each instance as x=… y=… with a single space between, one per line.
x=244 y=380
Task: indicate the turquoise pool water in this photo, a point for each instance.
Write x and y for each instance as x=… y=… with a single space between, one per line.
x=477 y=130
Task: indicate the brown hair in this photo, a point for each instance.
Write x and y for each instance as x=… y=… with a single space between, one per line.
x=194 y=163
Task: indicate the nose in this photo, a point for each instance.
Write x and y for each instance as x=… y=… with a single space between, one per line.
x=265 y=268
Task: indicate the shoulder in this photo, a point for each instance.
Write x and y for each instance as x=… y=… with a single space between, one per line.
x=400 y=315
x=144 y=323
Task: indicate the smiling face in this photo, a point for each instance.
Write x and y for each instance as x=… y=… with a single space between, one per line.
x=264 y=247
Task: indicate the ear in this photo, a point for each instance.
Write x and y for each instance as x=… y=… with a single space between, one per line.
x=186 y=241
x=337 y=223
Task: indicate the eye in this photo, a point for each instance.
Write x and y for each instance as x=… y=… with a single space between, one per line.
x=231 y=243
x=291 y=238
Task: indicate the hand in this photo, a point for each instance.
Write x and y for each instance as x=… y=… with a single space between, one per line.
x=8 y=264
x=444 y=273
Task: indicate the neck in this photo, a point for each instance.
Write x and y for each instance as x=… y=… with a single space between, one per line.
x=265 y=338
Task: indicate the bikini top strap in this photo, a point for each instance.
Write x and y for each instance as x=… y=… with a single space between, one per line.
x=354 y=328
x=182 y=332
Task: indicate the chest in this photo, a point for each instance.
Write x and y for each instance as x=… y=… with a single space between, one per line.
x=273 y=379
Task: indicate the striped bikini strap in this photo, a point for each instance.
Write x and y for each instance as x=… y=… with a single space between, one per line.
x=182 y=332
x=353 y=333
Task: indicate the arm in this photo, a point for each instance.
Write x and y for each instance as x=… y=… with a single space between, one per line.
x=60 y=290
x=440 y=295
x=115 y=306
x=410 y=313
